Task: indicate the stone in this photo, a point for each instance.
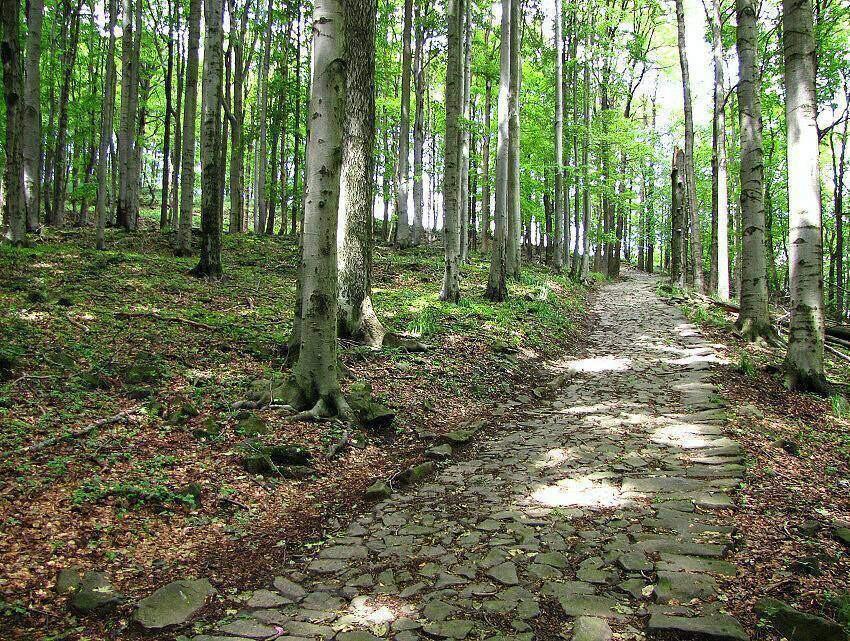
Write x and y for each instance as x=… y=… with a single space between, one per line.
x=416 y=473
x=68 y=580
x=248 y=628
x=378 y=491
x=504 y=573
x=95 y=594
x=454 y=629
x=555 y=559
x=634 y=562
x=595 y=606
x=252 y=426
x=439 y=452
x=799 y=626
x=344 y=552
x=679 y=563
x=370 y=413
x=267 y=599
x=307 y=630
x=683 y=586
x=841 y=533
x=591 y=629
x=718 y=627
x=356 y=635
x=458 y=437
x=289 y=589
x=173 y=603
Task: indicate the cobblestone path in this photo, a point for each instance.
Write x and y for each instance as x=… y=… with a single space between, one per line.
x=603 y=515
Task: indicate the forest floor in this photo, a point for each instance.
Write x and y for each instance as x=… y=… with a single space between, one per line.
x=163 y=493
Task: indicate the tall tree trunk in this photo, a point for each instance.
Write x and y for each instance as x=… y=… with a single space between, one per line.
x=754 y=319
x=297 y=196
x=451 y=174
x=15 y=212
x=497 y=289
x=677 y=219
x=106 y=123
x=32 y=114
x=484 y=173
x=60 y=170
x=166 y=135
x=690 y=182
x=187 y=171
x=127 y=127
x=463 y=197
x=719 y=279
x=804 y=360
x=357 y=318
x=418 y=128
x=209 y=265
x=558 y=241
x=177 y=150
x=260 y=201
x=514 y=259
x=315 y=373
x=838 y=207
x=584 y=271
x=403 y=235
x=237 y=133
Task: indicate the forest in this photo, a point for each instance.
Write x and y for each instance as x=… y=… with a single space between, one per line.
x=363 y=320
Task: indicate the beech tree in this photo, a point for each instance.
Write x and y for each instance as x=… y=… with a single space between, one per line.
x=187 y=170
x=804 y=360
x=15 y=212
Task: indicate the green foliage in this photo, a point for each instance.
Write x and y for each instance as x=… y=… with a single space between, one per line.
x=746 y=365
x=840 y=406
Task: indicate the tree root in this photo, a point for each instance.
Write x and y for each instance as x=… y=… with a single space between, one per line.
x=391 y=339
x=757 y=332
x=332 y=405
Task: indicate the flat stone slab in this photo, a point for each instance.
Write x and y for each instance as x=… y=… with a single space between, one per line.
x=173 y=604
x=591 y=629
x=504 y=573
x=718 y=627
x=684 y=586
x=594 y=606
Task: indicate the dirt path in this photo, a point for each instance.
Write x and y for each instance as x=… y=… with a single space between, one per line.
x=607 y=510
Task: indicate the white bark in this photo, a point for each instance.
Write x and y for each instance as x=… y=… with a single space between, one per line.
x=32 y=114
x=558 y=245
x=106 y=124
x=190 y=104
x=403 y=235
x=804 y=360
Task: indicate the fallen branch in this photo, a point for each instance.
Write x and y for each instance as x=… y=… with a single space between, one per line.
x=175 y=319
x=53 y=440
x=835 y=352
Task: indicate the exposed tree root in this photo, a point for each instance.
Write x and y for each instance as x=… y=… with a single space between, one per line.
x=757 y=332
x=391 y=339
x=329 y=406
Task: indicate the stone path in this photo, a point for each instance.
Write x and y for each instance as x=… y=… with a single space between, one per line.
x=604 y=513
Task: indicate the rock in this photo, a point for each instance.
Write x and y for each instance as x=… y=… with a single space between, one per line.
x=267 y=599
x=799 y=626
x=454 y=629
x=788 y=445
x=749 y=411
x=504 y=573
x=416 y=473
x=439 y=452
x=289 y=589
x=718 y=627
x=288 y=461
x=841 y=533
x=95 y=594
x=578 y=605
x=683 y=586
x=252 y=426
x=554 y=559
x=307 y=630
x=356 y=635
x=172 y=604
x=458 y=437
x=378 y=491
x=248 y=628
x=681 y=563
x=345 y=552
x=370 y=413
x=634 y=562
x=591 y=629
x=68 y=581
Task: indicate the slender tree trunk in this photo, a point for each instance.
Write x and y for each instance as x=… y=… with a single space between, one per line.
x=315 y=373
x=166 y=135
x=497 y=289
x=106 y=123
x=209 y=265
x=677 y=219
x=32 y=114
x=484 y=177
x=558 y=241
x=260 y=202
x=463 y=197
x=584 y=271
x=187 y=173
x=177 y=151
x=418 y=129
x=357 y=318
x=719 y=278
x=804 y=360
x=451 y=175
x=15 y=212
x=403 y=235
x=514 y=259
x=60 y=170
x=297 y=196
x=838 y=207
x=690 y=182
x=754 y=319
x=237 y=140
